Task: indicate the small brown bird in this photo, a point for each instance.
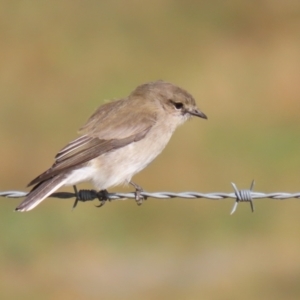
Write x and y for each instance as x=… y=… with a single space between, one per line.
x=120 y=139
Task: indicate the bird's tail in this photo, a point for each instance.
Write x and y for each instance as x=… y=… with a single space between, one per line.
x=41 y=191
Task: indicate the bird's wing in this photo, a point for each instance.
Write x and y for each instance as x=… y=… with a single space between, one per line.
x=99 y=137
x=123 y=121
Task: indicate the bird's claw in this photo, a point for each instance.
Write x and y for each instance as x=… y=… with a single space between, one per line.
x=139 y=198
x=102 y=196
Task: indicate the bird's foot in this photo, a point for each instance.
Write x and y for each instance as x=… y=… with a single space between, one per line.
x=138 y=190
x=103 y=196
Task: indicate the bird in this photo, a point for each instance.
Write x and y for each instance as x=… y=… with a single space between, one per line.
x=119 y=140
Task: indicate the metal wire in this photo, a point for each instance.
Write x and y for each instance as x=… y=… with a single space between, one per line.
x=238 y=195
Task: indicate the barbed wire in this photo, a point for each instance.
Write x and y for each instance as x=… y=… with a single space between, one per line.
x=246 y=195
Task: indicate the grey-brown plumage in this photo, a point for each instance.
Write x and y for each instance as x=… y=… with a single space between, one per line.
x=120 y=139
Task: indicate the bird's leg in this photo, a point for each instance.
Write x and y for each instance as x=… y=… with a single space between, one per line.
x=138 y=190
x=103 y=196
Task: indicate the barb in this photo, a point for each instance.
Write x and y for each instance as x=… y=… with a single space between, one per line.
x=243 y=196
x=102 y=196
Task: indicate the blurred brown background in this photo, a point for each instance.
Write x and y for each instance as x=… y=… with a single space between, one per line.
x=59 y=60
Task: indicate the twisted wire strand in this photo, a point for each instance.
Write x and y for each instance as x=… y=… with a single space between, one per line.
x=246 y=195
x=165 y=195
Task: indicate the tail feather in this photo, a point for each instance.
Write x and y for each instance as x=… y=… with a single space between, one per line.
x=41 y=191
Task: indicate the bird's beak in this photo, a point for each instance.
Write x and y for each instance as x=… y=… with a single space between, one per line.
x=197 y=113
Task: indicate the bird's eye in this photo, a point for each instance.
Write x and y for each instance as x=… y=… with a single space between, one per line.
x=178 y=105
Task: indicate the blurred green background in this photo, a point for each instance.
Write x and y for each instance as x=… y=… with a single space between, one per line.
x=59 y=60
